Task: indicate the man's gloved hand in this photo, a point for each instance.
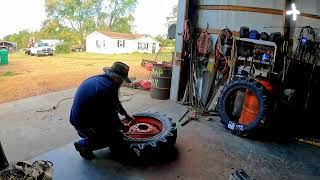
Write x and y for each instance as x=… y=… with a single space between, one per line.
x=129 y=117
x=126 y=127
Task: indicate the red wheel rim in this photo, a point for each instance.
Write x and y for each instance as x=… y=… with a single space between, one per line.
x=143 y=128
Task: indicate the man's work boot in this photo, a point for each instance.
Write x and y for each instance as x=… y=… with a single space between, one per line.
x=84 y=152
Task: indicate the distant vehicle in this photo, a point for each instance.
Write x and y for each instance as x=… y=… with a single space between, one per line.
x=27 y=51
x=4 y=47
x=77 y=48
x=41 y=49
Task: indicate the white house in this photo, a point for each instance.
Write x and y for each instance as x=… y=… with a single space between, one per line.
x=106 y=42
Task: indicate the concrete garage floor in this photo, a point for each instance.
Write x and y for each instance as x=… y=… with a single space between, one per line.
x=205 y=149
x=25 y=133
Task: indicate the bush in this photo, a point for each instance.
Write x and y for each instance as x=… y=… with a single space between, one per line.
x=63 y=49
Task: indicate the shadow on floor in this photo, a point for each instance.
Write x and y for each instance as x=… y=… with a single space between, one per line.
x=154 y=159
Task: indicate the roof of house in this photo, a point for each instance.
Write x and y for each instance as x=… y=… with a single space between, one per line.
x=122 y=35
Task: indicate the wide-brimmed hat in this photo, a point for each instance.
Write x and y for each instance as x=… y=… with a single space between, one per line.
x=118 y=69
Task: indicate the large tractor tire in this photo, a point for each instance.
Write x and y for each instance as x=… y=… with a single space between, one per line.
x=149 y=135
x=225 y=111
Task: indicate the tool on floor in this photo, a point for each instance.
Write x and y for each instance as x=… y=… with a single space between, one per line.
x=188 y=120
x=56 y=106
x=311 y=141
x=184 y=115
x=194 y=116
x=240 y=175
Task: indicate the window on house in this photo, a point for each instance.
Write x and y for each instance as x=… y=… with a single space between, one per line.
x=97 y=43
x=104 y=43
x=121 y=43
x=143 y=46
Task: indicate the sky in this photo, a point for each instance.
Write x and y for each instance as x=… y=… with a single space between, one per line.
x=150 y=16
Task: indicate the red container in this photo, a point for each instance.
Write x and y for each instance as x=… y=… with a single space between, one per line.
x=149 y=66
x=266 y=84
x=250 y=107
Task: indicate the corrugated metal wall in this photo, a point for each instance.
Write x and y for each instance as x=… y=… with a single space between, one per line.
x=249 y=3
x=310 y=7
x=220 y=19
x=258 y=15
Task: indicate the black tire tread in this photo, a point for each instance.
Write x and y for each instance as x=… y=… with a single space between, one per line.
x=163 y=141
x=263 y=99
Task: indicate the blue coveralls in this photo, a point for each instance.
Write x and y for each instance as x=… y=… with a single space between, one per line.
x=94 y=113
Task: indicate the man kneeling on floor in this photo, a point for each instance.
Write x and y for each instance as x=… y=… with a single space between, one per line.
x=95 y=109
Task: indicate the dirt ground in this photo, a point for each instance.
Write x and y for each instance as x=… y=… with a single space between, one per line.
x=27 y=76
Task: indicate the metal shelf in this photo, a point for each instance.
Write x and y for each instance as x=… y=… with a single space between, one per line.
x=255 y=61
x=263 y=43
x=260 y=42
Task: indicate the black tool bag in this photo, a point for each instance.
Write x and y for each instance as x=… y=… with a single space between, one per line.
x=244 y=32
x=265 y=36
x=254 y=34
x=275 y=37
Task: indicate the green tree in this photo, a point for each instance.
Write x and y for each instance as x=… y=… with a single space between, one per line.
x=53 y=29
x=86 y=16
x=160 y=38
x=120 y=15
x=22 y=38
x=122 y=24
x=49 y=30
x=164 y=42
x=172 y=18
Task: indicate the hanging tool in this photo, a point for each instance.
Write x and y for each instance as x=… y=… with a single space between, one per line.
x=315 y=62
x=203 y=42
x=186 y=31
x=221 y=69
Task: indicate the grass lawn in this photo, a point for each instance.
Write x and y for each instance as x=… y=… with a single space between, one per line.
x=27 y=76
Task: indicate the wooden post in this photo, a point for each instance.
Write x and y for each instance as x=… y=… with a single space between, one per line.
x=283 y=22
x=287 y=20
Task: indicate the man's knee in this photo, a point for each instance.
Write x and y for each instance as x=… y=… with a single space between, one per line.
x=86 y=132
x=81 y=135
